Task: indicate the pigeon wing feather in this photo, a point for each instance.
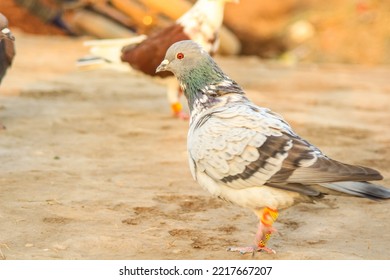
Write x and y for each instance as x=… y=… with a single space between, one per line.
x=245 y=146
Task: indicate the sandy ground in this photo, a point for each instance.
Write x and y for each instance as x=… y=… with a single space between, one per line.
x=94 y=167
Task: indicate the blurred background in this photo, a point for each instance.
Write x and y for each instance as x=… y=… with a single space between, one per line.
x=332 y=31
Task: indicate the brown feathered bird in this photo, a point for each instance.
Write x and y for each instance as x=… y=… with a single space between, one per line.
x=7 y=49
x=200 y=24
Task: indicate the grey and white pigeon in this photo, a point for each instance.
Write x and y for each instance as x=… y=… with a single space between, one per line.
x=249 y=155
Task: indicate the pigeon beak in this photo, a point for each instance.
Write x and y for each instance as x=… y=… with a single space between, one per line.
x=163 y=66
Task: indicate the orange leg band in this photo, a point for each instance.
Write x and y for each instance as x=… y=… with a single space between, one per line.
x=176 y=107
x=267 y=219
x=269 y=216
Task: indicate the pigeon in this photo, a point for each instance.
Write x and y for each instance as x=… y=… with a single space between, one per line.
x=7 y=49
x=249 y=155
x=201 y=24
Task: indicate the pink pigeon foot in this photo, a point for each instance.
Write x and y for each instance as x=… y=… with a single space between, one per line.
x=263 y=234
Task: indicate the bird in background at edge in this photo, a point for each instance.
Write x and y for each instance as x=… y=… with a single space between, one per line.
x=249 y=155
x=7 y=49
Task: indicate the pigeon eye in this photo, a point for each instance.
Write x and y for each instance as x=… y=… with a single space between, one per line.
x=180 y=55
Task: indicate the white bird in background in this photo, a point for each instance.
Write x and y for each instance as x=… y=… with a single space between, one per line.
x=201 y=23
x=249 y=155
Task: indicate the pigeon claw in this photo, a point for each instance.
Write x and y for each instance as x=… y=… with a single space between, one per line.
x=266 y=249
x=251 y=250
x=242 y=250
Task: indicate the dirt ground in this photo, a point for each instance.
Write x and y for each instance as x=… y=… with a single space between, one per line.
x=94 y=167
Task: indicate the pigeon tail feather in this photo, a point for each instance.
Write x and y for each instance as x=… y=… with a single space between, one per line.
x=362 y=189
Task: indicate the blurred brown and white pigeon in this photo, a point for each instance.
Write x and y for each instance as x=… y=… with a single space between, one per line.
x=200 y=24
x=249 y=155
x=7 y=48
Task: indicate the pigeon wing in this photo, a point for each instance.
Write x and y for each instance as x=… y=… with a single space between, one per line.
x=248 y=146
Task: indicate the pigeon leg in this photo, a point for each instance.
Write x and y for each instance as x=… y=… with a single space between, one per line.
x=267 y=217
x=265 y=229
x=173 y=97
x=177 y=110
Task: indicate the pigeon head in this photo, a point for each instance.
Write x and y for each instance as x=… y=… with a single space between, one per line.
x=3 y=22
x=198 y=74
x=184 y=57
x=192 y=65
